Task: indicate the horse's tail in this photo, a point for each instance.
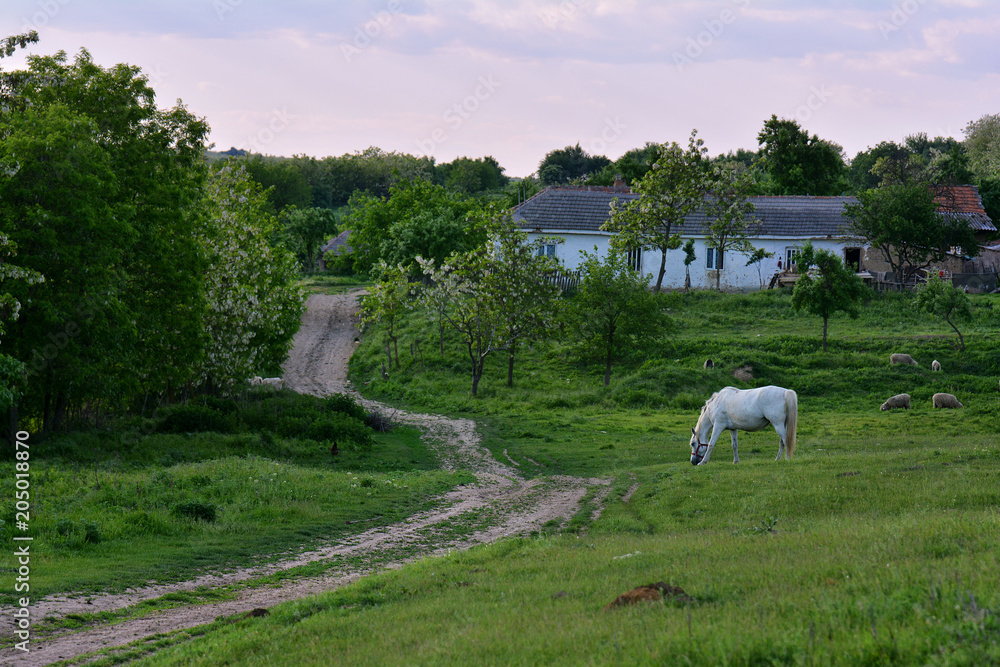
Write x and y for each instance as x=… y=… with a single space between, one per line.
x=791 y=421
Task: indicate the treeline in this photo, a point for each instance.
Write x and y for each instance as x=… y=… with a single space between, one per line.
x=790 y=161
x=130 y=271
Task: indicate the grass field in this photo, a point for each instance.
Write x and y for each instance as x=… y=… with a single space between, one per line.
x=878 y=544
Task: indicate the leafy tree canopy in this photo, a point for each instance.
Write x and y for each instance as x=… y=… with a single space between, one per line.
x=826 y=286
x=799 y=164
x=569 y=164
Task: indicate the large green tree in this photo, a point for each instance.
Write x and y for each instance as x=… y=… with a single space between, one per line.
x=254 y=302
x=101 y=197
x=800 y=164
x=673 y=189
x=982 y=142
x=417 y=218
x=826 y=286
x=304 y=230
x=569 y=164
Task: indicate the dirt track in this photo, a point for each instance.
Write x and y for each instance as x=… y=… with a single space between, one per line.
x=318 y=365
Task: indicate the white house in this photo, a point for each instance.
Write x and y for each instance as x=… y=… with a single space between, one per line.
x=783 y=226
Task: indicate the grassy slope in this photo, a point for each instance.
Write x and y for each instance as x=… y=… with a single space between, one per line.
x=877 y=544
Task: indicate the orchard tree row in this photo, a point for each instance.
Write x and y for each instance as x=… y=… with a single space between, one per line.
x=129 y=270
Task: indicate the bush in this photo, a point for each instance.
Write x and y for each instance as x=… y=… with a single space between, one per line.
x=196 y=418
x=196 y=510
x=345 y=404
x=340 y=428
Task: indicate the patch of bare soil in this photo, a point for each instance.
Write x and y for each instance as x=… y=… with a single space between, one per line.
x=317 y=365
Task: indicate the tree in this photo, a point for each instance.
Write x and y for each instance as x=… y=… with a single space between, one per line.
x=305 y=231
x=902 y=222
x=282 y=179
x=461 y=284
x=385 y=302
x=524 y=296
x=101 y=197
x=672 y=190
x=470 y=176
x=418 y=218
x=614 y=308
x=631 y=166
x=757 y=257
x=727 y=211
x=254 y=302
x=797 y=163
x=982 y=143
x=825 y=286
x=569 y=164
x=938 y=297
x=689 y=258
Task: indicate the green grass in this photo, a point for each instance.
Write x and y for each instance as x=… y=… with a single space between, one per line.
x=878 y=544
x=328 y=283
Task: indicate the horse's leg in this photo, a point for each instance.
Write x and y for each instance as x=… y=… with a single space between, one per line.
x=780 y=429
x=716 y=432
x=736 y=451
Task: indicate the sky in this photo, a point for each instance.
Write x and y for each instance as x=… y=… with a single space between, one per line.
x=516 y=79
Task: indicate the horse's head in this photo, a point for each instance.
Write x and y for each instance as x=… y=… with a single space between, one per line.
x=698 y=448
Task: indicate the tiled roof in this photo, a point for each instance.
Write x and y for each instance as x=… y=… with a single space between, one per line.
x=585 y=209
x=337 y=245
x=963 y=201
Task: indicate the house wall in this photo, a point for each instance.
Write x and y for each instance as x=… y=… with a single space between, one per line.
x=736 y=276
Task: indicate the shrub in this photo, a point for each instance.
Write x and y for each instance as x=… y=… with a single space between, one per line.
x=345 y=404
x=196 y=418
x=340 y=428
x=196 y=510
x=64 y=527
x=91 y=533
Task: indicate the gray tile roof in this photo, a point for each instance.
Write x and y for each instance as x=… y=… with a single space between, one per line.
x=583 y=209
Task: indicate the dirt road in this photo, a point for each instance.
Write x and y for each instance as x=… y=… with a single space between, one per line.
x=317 y=365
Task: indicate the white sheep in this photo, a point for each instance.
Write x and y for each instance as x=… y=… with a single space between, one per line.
x=902 y=359
x=897 y=401
x=945 y=401
x=255 y=381
x=274 y=383
x=935 y=365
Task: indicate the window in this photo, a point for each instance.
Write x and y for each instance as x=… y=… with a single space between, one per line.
x=852 y=258
x=715 y=258
x=635 y=259
x=548 y=250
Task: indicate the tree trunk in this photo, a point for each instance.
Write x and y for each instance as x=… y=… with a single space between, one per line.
x=663 y=269
x=826 y=320
x=961 y=340
x=687 y=279
x=510 y=369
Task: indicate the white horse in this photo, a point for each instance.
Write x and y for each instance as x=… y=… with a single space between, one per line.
x=731 y=409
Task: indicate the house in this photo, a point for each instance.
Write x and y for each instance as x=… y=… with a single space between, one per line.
x=333 y=248
x=783 y=224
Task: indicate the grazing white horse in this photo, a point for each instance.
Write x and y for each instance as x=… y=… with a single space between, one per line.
x=731 y=409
